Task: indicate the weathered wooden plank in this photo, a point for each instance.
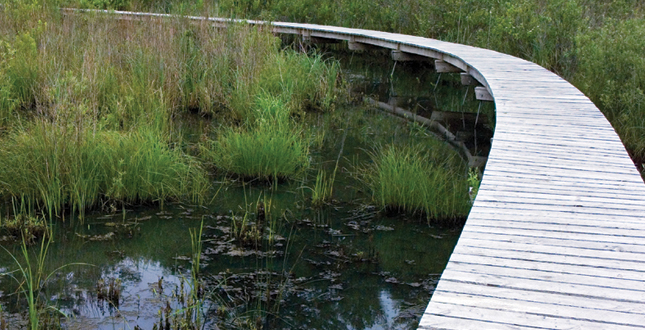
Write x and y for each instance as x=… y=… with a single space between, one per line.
x=628 y=250
x=467 y=79
x=501 y=319
x=583 y=254
x=583 y=192
x=527 y=306
x=442 y=66
x=482 y=94
x=400 y=56
x=508 y=270
x=523 y=281
x=533 y=232
x=507 y=213
x=596 y=308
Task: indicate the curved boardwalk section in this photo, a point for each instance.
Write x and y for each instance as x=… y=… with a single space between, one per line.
x=556 y=236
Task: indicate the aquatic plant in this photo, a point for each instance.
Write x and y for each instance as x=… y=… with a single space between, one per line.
x=31 y=277
x=272 y=147
x=24 y=226
x=52 y=167
x=266 y=152
x=408 y=178
x=323 y=189
x=474 y=180
x=194 y=309
x=188 y=301
x=109 y=290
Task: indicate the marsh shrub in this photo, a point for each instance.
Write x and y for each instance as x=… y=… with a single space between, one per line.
x=21 y=68
x=611 y=73
x=542 y=32
x=413 y=179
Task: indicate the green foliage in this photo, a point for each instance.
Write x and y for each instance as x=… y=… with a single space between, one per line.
x=269 y=148
x=24 y=226
x=8 y=104
x=266 y=151
x=610 y=72
x=323 y=189
x=474 y=180
x=302 y=82
x=542 y=32
x=104 y=4
x=53 y=167
x=414 y=180
x=22 y=68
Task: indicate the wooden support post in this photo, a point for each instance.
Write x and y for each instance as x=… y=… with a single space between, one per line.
x=444 y=67
x=482 y=94
x=319 y=40
x=323 y=40
x=400 y=56
x=467 y=80
x=354 y=45
x=477 y=161
x=470 y=117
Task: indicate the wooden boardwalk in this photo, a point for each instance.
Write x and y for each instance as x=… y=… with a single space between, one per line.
x=556 y=236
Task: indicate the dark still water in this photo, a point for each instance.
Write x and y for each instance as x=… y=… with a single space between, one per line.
x=268 y=260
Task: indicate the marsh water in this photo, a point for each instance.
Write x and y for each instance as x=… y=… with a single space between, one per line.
x=269 y=259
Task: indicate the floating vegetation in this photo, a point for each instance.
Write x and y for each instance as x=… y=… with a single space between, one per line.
x=24 y=227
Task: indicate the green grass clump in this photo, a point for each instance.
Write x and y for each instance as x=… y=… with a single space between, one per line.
x=52 y=168
x=272 y=147
x=265 y=152
x=411 y=179
x=323 y=189
x=303 y=82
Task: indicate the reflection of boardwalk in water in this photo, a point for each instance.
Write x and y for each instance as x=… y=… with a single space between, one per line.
x=556 y=237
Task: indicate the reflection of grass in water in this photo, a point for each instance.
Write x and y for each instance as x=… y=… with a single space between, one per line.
x=189 y=315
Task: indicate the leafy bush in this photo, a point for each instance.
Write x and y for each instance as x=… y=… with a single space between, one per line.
x=610 y=71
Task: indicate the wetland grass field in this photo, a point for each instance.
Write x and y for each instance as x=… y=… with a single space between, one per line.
x=166 y=175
